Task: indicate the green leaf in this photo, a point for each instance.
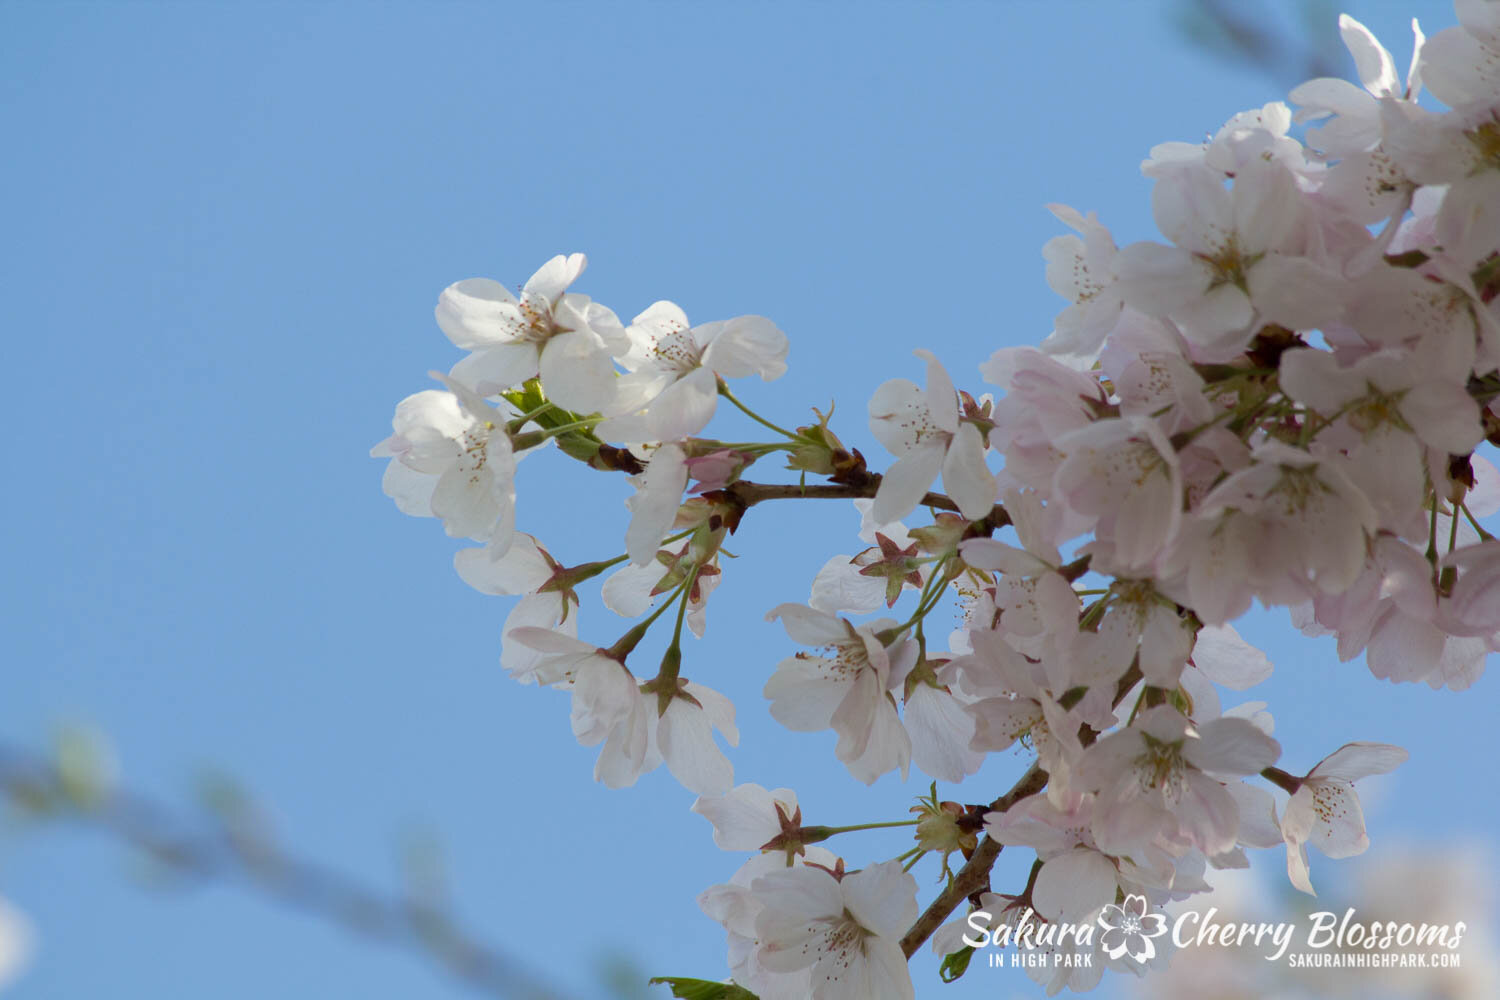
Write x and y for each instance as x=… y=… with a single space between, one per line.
x=955 y=965
x=703 y=989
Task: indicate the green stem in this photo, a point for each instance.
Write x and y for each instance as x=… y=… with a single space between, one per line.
x=1483 y=535
x=517 y=423
x=724 y=391
x=870 y=826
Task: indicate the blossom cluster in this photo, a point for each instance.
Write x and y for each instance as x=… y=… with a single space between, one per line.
x=1279 y=403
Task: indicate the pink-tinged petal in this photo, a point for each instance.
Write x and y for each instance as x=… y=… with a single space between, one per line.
x=999 y=722
x=887 y=749
x=627 y=752
x=1227 y=659
x=890 y=977
x=519 y=571
x=549 y=641
x=907 y=481
x=1232 y=746
x=882 y=898
x=941 y=731
x=627 y=591
x=966 y=476
x=1294 y=292
x=1371 y=61
x=993 y=554
x=747 y=345
x=1444 y=416
x=1165 y=644
x=1072 y=885
x=840 y=586
x=1460 y=70
x=942 y=400
x=1206 y=814
x=1258 y=826
x=604 y=694
x=808 y=626
x=685 y=736
x=1315 y=379
x=805 y=692
x=576 y=372
x=1339 y=830
x=495 y=369
x=1267 y=207
x=854 y=719
x=1403 y=648
x=898 y=412
x=745 y=818
x=1217 y=312
x=793 y=896
x=1353 y=761
x=1192 y=208
x=543 y=612
x=1158 y=280
x=1296 y=866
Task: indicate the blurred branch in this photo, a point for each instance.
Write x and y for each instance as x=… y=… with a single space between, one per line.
x=1244 y=33
x=232 y=844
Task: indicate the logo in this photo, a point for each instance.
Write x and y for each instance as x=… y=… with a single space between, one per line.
x=1128 y=929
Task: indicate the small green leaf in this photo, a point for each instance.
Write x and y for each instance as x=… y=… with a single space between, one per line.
x=955 y=965
x=703 y=989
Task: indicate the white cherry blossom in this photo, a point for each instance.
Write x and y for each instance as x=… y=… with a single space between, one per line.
x=1236 y=259
x=847 y=690
x=451 y=458
x=846 y=929
x=672 y=389
x=922 y=428
x=562 y=335
x=1325 y=811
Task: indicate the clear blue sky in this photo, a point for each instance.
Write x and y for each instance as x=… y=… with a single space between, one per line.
x=225 y=229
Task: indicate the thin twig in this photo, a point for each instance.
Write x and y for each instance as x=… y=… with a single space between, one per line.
x=227 y=851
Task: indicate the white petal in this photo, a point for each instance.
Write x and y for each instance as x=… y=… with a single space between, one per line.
x=906 y=482
x=747 y=345
x=576 y=372
x=1227 y=659
x=1353 y=761
x=966 y=477
x=1073 y=885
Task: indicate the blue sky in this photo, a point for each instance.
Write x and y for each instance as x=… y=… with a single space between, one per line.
x=226 y=229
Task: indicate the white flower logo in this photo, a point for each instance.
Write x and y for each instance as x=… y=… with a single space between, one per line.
x=1130 y=928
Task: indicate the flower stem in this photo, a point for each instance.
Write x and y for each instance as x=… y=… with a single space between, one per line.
x=724 y=391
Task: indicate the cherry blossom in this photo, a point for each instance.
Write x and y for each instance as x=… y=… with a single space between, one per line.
x=1237 y=257
x=847 y=929
x=562 y=335
x=847 y=690
x=1280 y=404
x=922 y=428
x=451 y=458
x=672 y=390
x=1325 y=811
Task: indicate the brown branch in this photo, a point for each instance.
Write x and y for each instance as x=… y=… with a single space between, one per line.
x=974 y=876
x=749 y=494
x=231 y=848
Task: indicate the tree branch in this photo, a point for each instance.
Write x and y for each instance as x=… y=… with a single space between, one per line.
x=974 y=876
x=237 y=851
x=749 y=494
